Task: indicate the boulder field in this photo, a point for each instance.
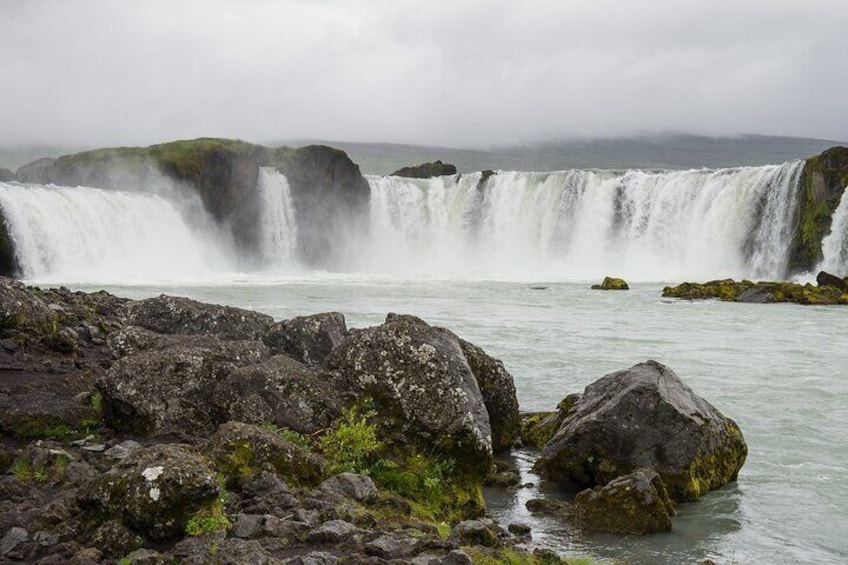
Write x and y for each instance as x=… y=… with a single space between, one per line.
x=169 y=430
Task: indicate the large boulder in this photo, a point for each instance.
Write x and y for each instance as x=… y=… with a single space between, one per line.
x=171 y=390
x=176 y=315
x=309 y=339
x=498 y=390
x=633 y=504
x=827 y=279
x=243 y=450
x=281 y=391
x=421 y=386
x=154 y=491
x=645 y=416
x=426 y=170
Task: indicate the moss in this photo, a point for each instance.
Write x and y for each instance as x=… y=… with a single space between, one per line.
x=538 y=428
x=212 y=518
x=513 y=556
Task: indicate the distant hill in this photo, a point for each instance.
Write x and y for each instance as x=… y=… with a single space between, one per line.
x=647 y=152
x=669 y=151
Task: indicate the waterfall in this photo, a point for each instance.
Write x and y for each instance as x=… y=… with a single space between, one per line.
x=645 y=225
x=91 y=235
x=278 y=246
x=835 y=244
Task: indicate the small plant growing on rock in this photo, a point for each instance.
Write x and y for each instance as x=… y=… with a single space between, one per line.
x=288 y=434
x=351 y=444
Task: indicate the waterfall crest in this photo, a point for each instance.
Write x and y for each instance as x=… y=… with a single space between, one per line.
x=80 y=234
x=645 y=225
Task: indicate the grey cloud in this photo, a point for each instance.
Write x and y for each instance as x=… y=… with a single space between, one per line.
x=440 y=72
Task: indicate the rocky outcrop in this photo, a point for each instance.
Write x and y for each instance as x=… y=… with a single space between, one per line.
x=822 y=183
x=760 y=292
x=634 y=504
x=170 y=391
x=645 y=417
x=8 y=261
x=827 y=279
x=420 y=385
x=426 y=170
x=309 y=339
x=280 y=391
x=330 y=194
x=6 y=175
x=177 y=315
x=611 y=283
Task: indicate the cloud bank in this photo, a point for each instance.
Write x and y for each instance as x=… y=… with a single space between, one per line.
x=469 y=73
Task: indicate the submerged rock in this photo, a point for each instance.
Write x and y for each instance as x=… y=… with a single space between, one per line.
x=636 y=503
x=425 y=170
x=611 y=283
x=645 y=416
x=760 y=292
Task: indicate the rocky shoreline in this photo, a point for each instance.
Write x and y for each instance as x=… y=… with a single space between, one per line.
x=166 y=430
x=829 y=290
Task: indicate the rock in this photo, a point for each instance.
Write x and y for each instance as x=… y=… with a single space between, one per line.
x=761 y=292
x=634 y=504
x=8 y=260
x=38 y=171
x=826 y=279
x=266 y=493
x=114 y=539
x=281 y=391
x=421 y=386
x=387 y=547
x=240 y=450
x=171 y=390
x=154 y=491
x=457 y=557
x=176 y=315
x=823 y=180
x=645 y=416
x=314 y=558
x=248 y=526
x=611 y=283
x=498 y=390
x=503 y=479
x=426 y=170
x=12 y=539
x=537 y=428
x=332 y=532
x=308 y=339
x=360 y=488
x=548 y=506
x=22 y=310
x=6 y=175
x=43 y=413
x=474 y=532
x=144 y=557
x=123 y=449
x=519 y=529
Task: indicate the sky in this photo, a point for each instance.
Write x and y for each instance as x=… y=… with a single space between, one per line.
x=459 y=73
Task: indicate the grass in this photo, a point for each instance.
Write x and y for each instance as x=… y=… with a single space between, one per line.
x=351 y=444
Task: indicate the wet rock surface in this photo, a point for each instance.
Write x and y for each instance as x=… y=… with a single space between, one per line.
x=827 y=293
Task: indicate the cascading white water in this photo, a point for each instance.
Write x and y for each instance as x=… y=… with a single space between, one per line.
x=91 y=235
x=667 y=225
x=835 y=244
x=278 y=246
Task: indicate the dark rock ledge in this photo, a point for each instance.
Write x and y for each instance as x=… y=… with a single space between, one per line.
x=168 y=430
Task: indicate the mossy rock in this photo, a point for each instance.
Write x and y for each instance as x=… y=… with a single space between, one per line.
x=242 y=450
x=537 y=428
x=729 y=290
x=155 y=491
x=611 y=283
x=822 y=183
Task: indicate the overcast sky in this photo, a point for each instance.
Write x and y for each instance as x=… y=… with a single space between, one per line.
x=457 y=73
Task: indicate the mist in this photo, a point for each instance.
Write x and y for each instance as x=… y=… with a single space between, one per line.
x=459 y=74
